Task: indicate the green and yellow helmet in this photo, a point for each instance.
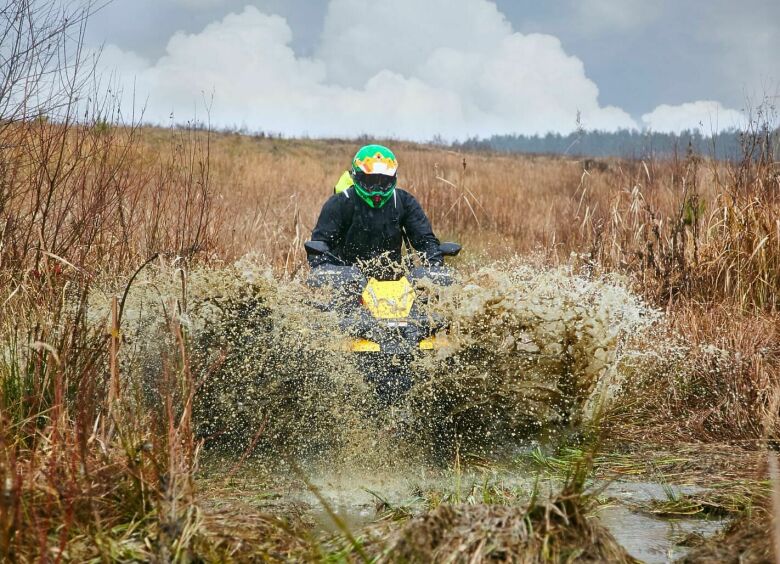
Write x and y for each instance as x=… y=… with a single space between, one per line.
x=374 y=174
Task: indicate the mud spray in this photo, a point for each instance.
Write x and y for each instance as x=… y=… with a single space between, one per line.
x=533 y=351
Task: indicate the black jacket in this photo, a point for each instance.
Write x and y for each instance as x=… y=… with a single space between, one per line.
x=356 y=232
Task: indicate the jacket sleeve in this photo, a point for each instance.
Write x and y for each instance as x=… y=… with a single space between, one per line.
x=331 y=227
x=417 y=228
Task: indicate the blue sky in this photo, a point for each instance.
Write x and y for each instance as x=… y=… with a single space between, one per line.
x=454 y=67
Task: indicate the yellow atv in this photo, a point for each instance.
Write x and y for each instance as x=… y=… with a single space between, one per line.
x=384 y=315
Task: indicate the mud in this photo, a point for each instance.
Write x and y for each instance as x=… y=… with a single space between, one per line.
x=532 y=351
x=647 y=538
x=368 y=504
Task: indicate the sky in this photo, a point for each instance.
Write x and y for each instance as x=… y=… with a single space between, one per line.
x=441 y=68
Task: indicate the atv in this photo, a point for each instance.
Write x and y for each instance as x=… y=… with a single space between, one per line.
x=383 y=315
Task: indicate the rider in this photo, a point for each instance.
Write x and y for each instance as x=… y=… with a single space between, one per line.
x=370 y=216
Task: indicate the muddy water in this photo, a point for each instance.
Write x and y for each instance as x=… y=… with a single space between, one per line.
x=648 y=538
x=651 y=539
x=354 y=496
x=530 y=347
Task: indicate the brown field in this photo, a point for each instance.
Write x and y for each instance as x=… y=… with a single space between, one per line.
x=86 y=476
x=707 y=228
x=150 y=276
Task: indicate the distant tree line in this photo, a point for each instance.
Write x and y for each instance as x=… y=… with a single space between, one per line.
x=630 y=143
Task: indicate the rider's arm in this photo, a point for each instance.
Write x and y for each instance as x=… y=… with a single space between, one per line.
x=419 y=231
x=330 y=227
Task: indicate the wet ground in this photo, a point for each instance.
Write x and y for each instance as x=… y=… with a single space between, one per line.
x=646 y=537
x=359 y=498
x=649 y=538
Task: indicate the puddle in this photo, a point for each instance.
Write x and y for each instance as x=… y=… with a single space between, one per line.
x=639 y=492
x=648 y=538
x=355 y=496
x=653 y=539
x=350 y=516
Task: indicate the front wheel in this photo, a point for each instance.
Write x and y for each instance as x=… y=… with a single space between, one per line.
x=389 y=375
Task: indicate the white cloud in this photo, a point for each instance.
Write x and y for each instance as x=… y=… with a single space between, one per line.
x=360 y=39
x=405 y=69
x=126 y=62
x=705 y=115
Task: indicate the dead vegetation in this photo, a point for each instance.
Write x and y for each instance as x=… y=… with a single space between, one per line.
x=493 y=525
x=744 y=540
x=85 y=473
x=89 y=471
x=557 y=531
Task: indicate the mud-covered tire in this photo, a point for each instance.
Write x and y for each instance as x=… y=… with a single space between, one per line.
x=389 y=375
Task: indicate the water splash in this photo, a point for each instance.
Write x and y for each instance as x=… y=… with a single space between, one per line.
x=530 y=348
x=271 y=376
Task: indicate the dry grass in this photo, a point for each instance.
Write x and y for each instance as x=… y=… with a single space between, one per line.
x=713 y=376
x=272 y=190
x=687 y=227
x=492 y=525
x=186 y=194
x=554 y=532
x=86 y=472
x=89 y=471
x=745 y=540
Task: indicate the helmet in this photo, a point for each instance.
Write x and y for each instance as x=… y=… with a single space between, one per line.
x=374 y=174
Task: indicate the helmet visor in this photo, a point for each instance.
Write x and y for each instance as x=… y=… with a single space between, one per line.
x=375 y=182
